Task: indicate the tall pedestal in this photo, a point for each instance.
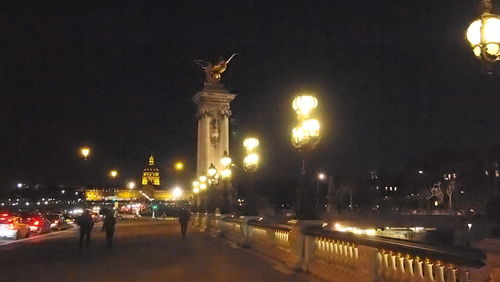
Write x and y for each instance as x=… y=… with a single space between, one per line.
x=213 y=126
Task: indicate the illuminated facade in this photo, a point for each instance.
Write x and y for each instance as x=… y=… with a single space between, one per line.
x=151 y=174
x=111 y=194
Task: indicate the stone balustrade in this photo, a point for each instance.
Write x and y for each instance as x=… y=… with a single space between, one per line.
x=340 y=256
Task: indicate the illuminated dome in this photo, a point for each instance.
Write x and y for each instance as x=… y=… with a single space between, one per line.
x=151 y=174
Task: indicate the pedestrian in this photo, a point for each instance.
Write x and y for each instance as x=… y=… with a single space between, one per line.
x=86 y=224
x=183 y=221
x=108 y=226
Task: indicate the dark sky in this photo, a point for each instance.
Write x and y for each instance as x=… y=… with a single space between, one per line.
x=395 y=80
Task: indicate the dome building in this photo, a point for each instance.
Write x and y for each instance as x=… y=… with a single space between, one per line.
x=151 y=174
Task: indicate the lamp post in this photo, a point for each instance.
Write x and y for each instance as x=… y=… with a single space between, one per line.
x=196 y=191
x=483 y=35
x=305 y=137
x=203 y=187
x=212 y=198
x=113 y=174
x=321 y=177
x=250 y=165
x=227 y=193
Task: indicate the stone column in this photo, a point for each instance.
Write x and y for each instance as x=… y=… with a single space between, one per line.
x=213 y=130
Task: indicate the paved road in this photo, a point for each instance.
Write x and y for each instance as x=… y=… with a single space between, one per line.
x=145 y=250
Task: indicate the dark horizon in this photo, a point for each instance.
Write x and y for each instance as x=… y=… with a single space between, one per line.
x=395 y=81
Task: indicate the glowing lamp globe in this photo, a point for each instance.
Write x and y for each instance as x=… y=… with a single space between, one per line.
x=483 y=34
x=225 y=161
x=304 y=104
x=250 y=143
x=212 y=171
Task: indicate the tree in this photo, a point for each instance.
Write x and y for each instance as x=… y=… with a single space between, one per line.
x=450 y=188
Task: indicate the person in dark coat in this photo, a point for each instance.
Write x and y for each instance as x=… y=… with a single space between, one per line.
x=86 y=224
x=108 y=225
x=183 y=221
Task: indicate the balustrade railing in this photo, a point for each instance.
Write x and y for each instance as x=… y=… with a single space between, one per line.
x=341 y=256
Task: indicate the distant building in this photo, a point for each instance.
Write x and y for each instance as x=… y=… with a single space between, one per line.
x=151 y=174
x=150 y=189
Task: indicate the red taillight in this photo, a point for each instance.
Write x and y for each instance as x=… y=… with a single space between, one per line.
x=36 y=222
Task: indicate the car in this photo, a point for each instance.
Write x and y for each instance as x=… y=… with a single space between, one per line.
x=36 y=222
x=13 y=227
x=57 y=221
x=69 y=219
x=128 y=216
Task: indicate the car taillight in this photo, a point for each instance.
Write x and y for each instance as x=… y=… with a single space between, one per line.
x=36 y=222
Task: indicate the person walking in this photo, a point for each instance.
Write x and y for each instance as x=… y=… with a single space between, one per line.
x=86 y=224
x=108 y=226
x=183 y=221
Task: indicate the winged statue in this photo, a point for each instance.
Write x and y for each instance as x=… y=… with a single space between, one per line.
x=213 y=71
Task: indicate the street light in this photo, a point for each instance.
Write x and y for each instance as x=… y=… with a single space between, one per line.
x=483 y=34
x=179 y=166
x=212 y=171
x=202 y=183
x=251 y=164
x=225 y=161
x=225 y=174
x=131 y=185
x=196 y=191
x=251 y=159
x=113 y=173
x=177 y=192
x=85 y=152
x=305 y=137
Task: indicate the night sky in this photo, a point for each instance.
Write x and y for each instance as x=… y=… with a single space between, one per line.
x=396 y=80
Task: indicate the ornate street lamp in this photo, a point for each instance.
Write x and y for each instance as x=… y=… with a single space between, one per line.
x=305 y=138
x=251 y=164
x=203 y=182
x=251 y=159
x=483 y=34
x=225 y=161
x=212 y=171
x=225 y=176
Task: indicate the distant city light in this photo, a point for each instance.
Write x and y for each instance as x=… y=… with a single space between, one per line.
x=177 y=192
x=321 y=176
x=131 y=185
x=421 y=172
x=85 y=151
x=19 y=185
x=63 y=191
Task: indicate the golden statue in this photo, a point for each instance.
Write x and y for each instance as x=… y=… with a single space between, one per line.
x=213 y=71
